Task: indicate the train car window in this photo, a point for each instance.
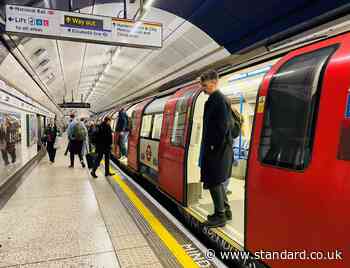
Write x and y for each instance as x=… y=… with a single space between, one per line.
x=178 y=131
x=291 y=110
x=146 y=126
x=157 y=126
x=114 y=123
x=157 y=106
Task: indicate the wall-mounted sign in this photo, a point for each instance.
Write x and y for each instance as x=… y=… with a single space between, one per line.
x=11 y=96
x=73 y=26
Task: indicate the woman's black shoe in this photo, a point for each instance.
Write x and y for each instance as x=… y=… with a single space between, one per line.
x=93 y=174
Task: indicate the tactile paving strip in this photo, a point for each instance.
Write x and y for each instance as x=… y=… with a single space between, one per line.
x=164 y=255
x=170 y=226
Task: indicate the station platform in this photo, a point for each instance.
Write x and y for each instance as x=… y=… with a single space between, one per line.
x=61 y=217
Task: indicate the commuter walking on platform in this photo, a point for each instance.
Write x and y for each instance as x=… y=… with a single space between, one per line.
x=77 y=135
x=103 y=146
x=122 y=128
x=70 y=121
x=85 y=148
x=92 y=135
x=51 y=135
x=216 y=149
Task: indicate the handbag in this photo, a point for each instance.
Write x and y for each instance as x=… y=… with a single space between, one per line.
x=91 y=159
x=57 y=143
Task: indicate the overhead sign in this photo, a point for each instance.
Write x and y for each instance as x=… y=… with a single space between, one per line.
x=56 y=24
x=75 y=105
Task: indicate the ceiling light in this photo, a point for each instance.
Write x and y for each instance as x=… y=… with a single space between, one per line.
x=148 y=4
x=116 y=54
x=108 y=68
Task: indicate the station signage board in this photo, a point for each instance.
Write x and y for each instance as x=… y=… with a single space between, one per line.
x=75 y=105
x=57 y=24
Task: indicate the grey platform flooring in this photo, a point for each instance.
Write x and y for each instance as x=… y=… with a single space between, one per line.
x=61 y=217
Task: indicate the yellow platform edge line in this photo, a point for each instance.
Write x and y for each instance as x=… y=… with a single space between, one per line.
x=176 y=249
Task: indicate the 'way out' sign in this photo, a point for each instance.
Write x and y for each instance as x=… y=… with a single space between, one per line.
x=56 y=24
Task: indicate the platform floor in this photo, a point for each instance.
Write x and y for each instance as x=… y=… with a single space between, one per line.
x=61 y=217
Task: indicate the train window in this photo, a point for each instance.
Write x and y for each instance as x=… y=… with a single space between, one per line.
x=146 y=126
x=114 y=124
x=291 y=110
x=157 y=126
x=178 y=131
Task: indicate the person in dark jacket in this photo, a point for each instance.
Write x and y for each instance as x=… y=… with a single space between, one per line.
x=216 y=147
x=92 y=135
x=122 y=129
x=51 y=135
x=103 y=146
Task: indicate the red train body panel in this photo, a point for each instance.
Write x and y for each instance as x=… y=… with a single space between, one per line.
x=305 y=210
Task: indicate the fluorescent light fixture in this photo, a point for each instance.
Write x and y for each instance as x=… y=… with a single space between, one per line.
x=116 y=54
x=108 y=68
x=148 y=4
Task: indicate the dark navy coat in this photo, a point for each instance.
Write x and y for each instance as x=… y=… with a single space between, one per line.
x=216 y=161
x=104 y=138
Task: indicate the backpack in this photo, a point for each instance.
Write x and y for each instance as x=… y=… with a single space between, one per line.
x=79 y=132
x=235 y=122
x=94 y=135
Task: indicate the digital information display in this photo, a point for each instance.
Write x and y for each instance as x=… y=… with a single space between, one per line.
x=56 y=24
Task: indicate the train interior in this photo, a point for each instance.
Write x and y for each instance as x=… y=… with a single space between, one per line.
x=241 y=88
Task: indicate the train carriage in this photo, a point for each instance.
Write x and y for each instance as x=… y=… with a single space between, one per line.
x=293 y=183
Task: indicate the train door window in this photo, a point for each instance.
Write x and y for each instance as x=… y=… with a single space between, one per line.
x=291 y=110
x=114 y=124
x=157 y=126
x=146 y=126
x=178 y=131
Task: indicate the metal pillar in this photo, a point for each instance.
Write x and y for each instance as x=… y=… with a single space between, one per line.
x=125 y=10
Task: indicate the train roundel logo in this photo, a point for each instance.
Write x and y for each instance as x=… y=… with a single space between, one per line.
x=149 y=153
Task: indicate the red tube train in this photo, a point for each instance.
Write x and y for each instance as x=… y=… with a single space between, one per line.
x=290 y=185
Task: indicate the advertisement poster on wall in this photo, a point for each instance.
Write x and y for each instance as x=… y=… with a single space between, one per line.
x=32 y=130
x=10 y=143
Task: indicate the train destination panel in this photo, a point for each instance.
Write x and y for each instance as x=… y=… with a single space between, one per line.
x=73 y=26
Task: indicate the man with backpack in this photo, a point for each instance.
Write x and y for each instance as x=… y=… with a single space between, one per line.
x=219 y=130
x=77 y=135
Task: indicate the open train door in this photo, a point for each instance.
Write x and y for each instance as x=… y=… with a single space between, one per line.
x=173 y=142
x=134 y=134
x=298 y=183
